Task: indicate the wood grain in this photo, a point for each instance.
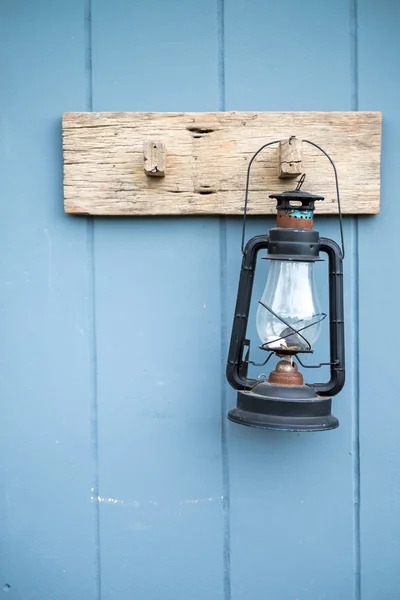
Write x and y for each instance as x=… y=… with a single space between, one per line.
x=208 y=155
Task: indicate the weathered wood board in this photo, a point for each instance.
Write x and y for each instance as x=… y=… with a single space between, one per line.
x=207 y=159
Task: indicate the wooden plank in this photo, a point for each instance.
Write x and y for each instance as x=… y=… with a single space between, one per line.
x=208 y=155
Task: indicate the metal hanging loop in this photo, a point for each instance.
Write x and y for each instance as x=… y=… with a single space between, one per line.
x=299 y=184
x=337 y=190
x=246 y=196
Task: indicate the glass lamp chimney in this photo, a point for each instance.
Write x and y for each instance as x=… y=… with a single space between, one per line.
x=291 y=294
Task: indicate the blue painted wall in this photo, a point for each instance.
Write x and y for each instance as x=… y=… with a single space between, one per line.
x=116 y=482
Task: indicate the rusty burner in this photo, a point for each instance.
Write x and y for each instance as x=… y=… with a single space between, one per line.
x=286 y=373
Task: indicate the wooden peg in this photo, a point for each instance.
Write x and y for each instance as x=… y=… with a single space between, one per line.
x=290 y=157
x=155 y=156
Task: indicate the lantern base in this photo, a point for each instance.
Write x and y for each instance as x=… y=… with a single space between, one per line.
x=283 y=408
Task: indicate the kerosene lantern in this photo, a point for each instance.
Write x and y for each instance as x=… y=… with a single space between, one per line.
x=288 y=321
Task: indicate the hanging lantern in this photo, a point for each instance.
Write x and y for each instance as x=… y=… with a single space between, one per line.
x=288 y=320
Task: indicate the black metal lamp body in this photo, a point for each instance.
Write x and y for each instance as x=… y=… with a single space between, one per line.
x=284 y=402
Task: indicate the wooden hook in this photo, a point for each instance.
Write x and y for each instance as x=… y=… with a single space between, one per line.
x=155 y=156
x=290 y=158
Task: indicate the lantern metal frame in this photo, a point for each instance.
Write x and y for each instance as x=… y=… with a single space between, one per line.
x=237 y=365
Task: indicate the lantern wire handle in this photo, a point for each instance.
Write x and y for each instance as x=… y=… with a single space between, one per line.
x=337 y=190
x=299 y=184
x=246 y=196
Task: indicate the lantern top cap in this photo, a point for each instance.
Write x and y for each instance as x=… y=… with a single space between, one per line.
x=296 y=200
x=296 y=195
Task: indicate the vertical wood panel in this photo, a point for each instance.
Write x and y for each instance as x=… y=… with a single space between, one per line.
x=46 y=516
x=287 y=56
x=158 y=328
x=379 y=54
x=291 y=494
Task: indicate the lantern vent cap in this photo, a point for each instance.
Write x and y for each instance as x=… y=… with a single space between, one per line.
x=297 y=195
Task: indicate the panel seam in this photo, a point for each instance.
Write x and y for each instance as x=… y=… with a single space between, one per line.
x=355 y=408
x=226 y=544
x=95 y=490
